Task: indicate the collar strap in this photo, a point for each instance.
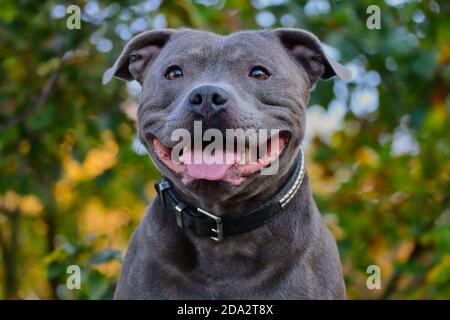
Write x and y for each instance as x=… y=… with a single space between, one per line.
x=205 y=224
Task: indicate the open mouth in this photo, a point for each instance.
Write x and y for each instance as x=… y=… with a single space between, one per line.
x=232 y=165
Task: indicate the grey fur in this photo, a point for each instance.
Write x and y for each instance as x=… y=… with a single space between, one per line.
x=292 y=257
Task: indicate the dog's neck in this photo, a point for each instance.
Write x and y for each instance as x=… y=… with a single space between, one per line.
x=239 y=205
x=258 y=250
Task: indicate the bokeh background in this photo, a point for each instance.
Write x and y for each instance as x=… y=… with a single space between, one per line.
x=74 y=182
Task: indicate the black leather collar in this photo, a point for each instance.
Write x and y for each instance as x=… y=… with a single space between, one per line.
x=205 y=224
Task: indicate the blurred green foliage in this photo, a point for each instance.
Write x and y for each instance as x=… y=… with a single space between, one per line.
x=93 y=283
x=68 y=169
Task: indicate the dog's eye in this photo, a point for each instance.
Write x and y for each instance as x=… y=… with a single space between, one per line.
x=259 y=73
x=173 y=73
x=135 y=57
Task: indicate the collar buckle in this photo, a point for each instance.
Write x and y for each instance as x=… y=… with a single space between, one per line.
x=219 y=225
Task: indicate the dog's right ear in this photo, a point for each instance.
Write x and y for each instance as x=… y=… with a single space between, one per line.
x=306 y=49
x=137 y=54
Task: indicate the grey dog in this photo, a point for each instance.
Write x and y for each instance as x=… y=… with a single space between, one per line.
x=249 y=79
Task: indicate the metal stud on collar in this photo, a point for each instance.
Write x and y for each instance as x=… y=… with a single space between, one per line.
x=298 y=181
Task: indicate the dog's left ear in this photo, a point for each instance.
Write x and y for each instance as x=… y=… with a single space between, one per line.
x=137 y=54
x=306 y=49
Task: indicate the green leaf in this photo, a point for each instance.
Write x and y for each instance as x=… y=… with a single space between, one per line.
x=105 y=256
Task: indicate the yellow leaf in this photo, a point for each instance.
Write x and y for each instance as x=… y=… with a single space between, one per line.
x=30 y=205
x=367 y=156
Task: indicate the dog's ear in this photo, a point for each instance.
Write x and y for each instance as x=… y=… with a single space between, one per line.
x=137 y=54
x=308 y=52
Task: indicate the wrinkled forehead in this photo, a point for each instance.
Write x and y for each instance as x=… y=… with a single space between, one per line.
x=209 y=48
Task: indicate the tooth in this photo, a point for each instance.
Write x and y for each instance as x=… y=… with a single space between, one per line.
x=262 y=151
x=247 y=155
x=242 y=158
x=183 y=153
x=251 y=156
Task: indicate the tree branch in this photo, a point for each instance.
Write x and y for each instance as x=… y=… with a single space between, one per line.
x=45 y=92
x=395 y=278
x=417 y=251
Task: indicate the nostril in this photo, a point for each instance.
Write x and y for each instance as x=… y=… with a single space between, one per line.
x=218 y=99
x=196 y=99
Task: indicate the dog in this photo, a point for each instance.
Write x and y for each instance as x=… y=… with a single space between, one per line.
x=228 y=231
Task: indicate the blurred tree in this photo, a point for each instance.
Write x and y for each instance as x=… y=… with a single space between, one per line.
x=378 y=147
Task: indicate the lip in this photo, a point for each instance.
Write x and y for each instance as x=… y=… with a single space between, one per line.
x=234 y=172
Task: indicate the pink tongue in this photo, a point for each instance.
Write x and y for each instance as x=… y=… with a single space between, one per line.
x=211 y=167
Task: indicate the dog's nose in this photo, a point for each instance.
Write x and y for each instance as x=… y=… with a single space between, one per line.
x=208 y=100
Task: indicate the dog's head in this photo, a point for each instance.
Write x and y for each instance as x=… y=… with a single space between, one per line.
x=252 y=81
